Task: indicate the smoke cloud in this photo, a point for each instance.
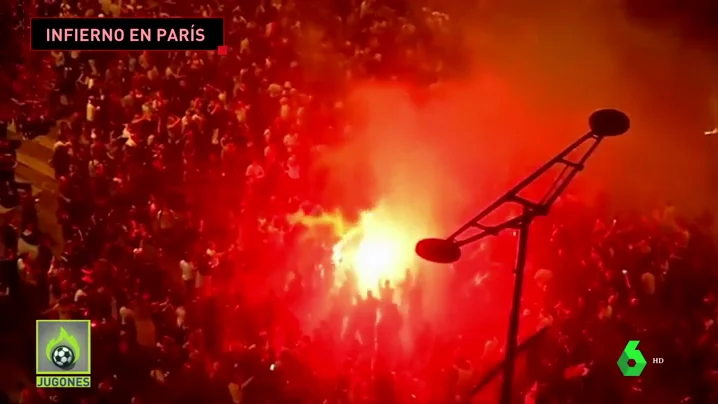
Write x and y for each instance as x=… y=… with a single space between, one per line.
x=534 y=77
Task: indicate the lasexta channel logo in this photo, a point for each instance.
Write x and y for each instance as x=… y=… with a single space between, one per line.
x=631 y=361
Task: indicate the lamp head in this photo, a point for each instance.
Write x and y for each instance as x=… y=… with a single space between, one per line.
x=438 y=250
x=609 y=122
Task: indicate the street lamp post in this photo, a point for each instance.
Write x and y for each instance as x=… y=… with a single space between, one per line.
x=603 y=123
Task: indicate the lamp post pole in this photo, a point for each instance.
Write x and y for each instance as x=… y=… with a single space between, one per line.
x=513 y=333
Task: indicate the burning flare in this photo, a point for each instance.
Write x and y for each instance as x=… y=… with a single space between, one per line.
x=372 y=250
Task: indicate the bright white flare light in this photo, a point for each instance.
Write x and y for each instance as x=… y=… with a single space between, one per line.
x=374 y=251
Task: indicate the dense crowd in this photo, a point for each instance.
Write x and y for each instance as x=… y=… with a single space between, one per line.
x=177 y=172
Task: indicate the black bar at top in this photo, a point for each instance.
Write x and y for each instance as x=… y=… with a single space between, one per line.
x=211 y=28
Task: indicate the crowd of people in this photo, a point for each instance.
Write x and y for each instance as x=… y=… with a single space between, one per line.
x=177 y=172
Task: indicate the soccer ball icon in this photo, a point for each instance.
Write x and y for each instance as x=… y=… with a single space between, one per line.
x=63 y=357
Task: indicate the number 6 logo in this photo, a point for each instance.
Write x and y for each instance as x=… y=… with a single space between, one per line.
x=631 y=353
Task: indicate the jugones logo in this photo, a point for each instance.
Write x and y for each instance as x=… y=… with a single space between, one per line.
x=631 y=354
x=63 y=353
